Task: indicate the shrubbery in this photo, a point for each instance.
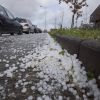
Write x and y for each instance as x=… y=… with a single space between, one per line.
x=90 y=34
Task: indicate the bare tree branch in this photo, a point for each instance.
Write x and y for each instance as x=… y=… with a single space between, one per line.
x=75 y=6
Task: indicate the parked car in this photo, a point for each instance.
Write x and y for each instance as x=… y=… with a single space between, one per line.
x=27 y=25
x=9 y=24
x=39 y=30
x=35 y=28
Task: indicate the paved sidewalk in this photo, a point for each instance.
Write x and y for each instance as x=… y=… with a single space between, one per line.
x=31 y=68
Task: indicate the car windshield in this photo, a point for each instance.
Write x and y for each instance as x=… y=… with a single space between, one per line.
x=22 y=20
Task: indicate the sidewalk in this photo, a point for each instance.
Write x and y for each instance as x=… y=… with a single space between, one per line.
x=47 y=73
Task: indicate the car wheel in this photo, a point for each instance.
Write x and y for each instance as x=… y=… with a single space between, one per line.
x=0 y=31
x=12 y=33
x=20 y=31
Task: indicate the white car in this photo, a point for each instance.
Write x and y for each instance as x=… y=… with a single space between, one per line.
x=27 y=25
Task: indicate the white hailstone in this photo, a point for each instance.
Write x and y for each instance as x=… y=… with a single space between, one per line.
x=4 y=97
x=22 y=70
x=19 y=76
x=83 y=68
x=30 y=98
x=7 y=65
x=84 y=72
x=24 y=79
x=63 y=83
x=40 y=89
x=96 y=99
x=75 y=80
x=65 y=87
x=60 y=98
x=88 y=94
x=47 y=98
x=80 y=63
x=6 y=81
x=85 y=99
x=16 y=70
x=19 y=81
x=45 y=87
x=90 y=83
x=70 y=73
x=39 y=98
x=68 y=98
x=78 y=78
x=1 y=75
x=74 y=92
x=68 y=85
x=75 y=55
x=94 y=87
x=13 y=65
x=16 y=86
x=32 y=87
x=1 y=87
x=84 y=96
x=71 y=89
x=72 y=85
x=29 y=82
x=80 y=85
x=4 y=60
x=17 y=63
x=19 y=59
x=24 y=90
x=83 y=91
x=43 y=96
x=94 y=81
x=77 y=97
x=25 y=83
x=11 y=57
x=99 y=77
x=9 y=74
x=7 y=61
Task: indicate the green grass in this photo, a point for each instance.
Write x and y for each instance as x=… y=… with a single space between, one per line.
x=90 y=34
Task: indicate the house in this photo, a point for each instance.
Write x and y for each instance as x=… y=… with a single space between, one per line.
x=95 y=16
x=53 y=30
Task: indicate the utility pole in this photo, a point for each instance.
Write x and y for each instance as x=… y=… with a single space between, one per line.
x=45 y=15
x=45 y=18
x=55 y=21
x=86 y=13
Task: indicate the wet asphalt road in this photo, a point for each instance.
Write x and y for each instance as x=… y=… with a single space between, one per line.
x=14 y=47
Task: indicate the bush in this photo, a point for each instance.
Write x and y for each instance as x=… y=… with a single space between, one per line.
x=90 y=34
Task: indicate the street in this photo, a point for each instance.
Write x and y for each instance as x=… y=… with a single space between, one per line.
x=31 y=68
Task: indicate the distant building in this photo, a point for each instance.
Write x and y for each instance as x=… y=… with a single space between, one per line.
x=53 y=30
x=95 y=17
x=45 y=31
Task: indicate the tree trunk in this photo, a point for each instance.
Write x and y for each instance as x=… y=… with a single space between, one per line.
x=72 y=25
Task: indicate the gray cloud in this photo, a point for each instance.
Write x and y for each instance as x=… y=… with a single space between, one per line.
x=31 y=9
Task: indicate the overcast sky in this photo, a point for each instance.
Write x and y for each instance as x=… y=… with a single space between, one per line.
x=30 y=9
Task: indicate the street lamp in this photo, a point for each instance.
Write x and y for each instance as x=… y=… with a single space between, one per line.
x=45 y=16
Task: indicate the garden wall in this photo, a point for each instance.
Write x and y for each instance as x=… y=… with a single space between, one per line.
x=88 y=51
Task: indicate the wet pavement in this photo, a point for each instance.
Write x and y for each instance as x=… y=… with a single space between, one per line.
x=21 y=81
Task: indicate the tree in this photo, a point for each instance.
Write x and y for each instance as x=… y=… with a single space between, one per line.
x=75 y=6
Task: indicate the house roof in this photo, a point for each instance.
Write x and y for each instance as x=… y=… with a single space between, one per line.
x=94 y=16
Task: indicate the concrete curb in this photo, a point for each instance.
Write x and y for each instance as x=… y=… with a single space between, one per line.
x=88 y=51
